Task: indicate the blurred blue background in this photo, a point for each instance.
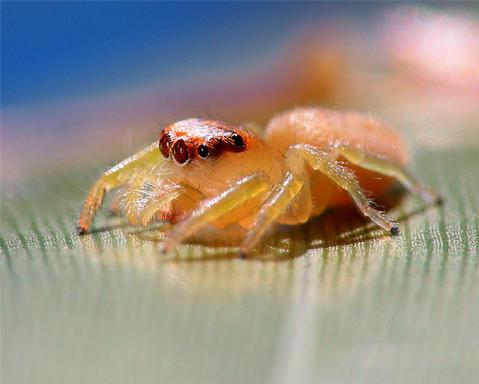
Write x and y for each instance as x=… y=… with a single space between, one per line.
x=55 y=51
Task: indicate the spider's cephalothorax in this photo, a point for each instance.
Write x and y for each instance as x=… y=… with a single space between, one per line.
x=203 y=172
x=191 y=139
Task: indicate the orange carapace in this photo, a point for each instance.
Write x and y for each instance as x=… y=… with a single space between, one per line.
x=202 y=172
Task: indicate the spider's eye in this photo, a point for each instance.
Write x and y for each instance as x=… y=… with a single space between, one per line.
x=203 y=150
x=180 y=151
x=164 y=147
x=237 y=140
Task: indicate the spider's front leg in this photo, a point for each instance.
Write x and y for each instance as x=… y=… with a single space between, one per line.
x=293 y=192
x=145 y=160
x=209 y=211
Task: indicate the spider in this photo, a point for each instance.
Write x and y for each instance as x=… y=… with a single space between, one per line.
x=204 y=172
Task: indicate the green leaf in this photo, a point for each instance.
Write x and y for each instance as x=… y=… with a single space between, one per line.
x=332 y=300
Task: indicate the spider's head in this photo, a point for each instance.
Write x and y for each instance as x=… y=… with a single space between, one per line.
x=200 y=139
x=211 y=155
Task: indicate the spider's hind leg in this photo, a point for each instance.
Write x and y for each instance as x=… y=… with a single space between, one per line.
x=389 y=168
x=342 y=176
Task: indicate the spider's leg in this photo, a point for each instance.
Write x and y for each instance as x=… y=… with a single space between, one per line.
x=161 y=199
x=116 y=204
x=277 y=202
x=133 y=199
x=212 y=209
x=114 y=177
x=344 y=178
x=389 y=168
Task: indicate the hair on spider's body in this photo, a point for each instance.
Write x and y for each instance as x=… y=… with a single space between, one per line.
x=203 y=172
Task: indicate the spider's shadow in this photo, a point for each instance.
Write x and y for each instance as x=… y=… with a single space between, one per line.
x=342 y=226
x=335 y=227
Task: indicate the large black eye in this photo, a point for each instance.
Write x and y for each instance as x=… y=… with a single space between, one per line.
x=203 y=150
x=237 y=140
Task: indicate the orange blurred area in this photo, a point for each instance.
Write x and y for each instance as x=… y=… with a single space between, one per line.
x=414 y=64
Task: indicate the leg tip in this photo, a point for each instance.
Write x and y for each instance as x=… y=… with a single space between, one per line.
x=394 y=230
x=242 y=255
x=163 y=251
x=81 y=231
x=439 y=200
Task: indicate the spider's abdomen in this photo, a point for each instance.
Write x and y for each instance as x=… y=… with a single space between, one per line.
x=323 y=128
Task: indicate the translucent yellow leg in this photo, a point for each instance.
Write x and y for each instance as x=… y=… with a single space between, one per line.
x=389 y=168
x=344 y=178
x=159 y=201
x=132 y=197
x=212 y=209
x=116 y=204
x=277 y=202
x=146 y=159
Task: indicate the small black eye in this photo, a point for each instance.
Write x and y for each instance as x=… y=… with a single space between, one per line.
x=237 y=140
x=203 y=150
